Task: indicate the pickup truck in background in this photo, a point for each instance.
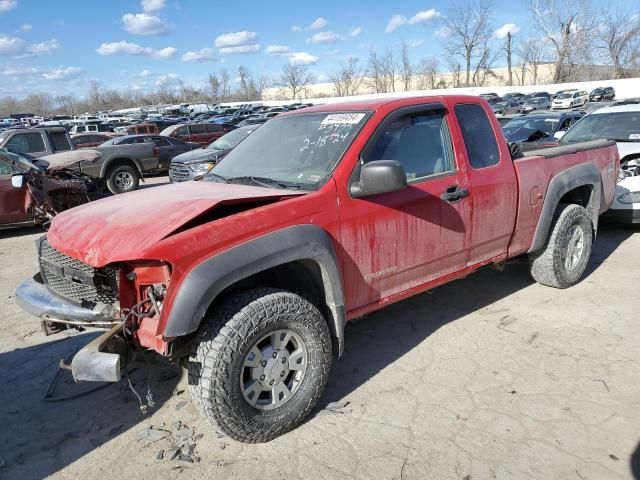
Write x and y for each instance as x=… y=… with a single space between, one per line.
x=319 y=217
x=36 y=142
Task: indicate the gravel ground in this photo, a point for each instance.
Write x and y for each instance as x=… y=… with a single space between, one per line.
x=492 y=376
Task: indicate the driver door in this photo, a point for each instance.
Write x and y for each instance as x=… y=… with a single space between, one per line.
x=13 y=201
x=397 y=241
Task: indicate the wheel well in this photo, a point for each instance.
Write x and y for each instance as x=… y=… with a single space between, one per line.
x=579 y=196
x=118 y=162
x=301 y=276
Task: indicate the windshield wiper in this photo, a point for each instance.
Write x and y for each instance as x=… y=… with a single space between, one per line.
x=263 y=182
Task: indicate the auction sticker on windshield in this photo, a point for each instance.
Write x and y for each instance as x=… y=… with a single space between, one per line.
x=634 y=136
x=343 y=118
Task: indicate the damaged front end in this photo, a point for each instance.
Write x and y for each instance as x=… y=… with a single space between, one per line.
x=56 y=191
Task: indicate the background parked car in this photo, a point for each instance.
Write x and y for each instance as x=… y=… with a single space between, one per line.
x=538 y=103
x=167 y=147
x=538 y=128
x=570 y=99
x=602 y=94
x=507 y=108
x=201 y=133
x=36 y=142
x=621 y=124
x=88 y=140
x=189 y=165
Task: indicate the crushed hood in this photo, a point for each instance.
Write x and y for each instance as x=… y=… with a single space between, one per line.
x=62 y=160
x=121 y=227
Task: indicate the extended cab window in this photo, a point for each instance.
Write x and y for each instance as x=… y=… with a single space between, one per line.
x=482 y=147
x=26 y=143
x=419 y=141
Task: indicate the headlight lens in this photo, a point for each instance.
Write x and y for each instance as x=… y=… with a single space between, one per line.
x=202 y=167
x=629 y=197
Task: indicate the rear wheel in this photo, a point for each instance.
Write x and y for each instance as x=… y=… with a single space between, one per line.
x=123 y=178
x=563 y=260
x=261 y=363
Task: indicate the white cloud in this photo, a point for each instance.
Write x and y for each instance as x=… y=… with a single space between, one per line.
x=202 y=55
x=335 y=51
x=43 y=48
x=414 y=43
x=395 y=22
x=422 y=16
x=277 y=50
x=144 y=24
x=355 y=31
x=442 y=33
x=6 y=5
x=325 y=37
x=145 y=73
x=128 y=48
x=11 y=45
x=511 y=28
x=303 y=58
x=296 y=28
x=19 y=70
x=152 y=5
x=240 y=49
x=62 y=73
x=425 y=16
x=318 y=24
x=234 y=39
x=26 y=27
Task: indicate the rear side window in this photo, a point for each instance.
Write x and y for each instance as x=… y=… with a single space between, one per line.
x=180 y=132
x=213 y=128
x=26 y=143
x=60 y=141
x=197 y=129
x=478 y=135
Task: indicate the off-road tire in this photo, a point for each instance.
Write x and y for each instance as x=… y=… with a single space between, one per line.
x=547 y=267
x=112 y=184
x=224 y=340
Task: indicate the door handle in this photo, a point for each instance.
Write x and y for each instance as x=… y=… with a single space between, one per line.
x=455 y=193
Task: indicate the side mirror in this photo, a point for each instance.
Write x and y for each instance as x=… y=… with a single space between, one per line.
x=379 y=176
x=17 y=180
x=559 y=134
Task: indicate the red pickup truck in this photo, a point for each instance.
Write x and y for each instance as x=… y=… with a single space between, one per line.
x=319 y=217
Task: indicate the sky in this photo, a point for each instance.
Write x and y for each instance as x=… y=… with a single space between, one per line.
x=59 y=47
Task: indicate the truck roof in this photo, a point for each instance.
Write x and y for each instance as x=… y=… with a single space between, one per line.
x=377 y=103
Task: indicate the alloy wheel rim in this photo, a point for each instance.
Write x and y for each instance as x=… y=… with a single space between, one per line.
x=573 y=247
x=123 y=180
x=273 y=369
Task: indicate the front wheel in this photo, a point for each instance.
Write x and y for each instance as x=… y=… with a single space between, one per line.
x=261 y=363
x=122 y=179
x=563 y=260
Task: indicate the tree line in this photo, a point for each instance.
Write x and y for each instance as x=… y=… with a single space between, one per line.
x=568 y=35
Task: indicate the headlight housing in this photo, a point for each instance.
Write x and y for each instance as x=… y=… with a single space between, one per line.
x=629 y=197
x=202 y=167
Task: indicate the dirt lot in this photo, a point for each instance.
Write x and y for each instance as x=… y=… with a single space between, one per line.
x=492 y=376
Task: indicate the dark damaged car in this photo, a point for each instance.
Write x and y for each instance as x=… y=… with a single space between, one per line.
x=33 y=191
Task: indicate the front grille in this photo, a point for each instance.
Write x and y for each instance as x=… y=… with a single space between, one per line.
x=76 y=281
x=180 y=172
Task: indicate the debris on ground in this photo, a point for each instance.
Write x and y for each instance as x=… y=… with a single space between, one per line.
x=181 y=442
x=533 y=336
x=335 y=407
x=602 y=382
x=505 y=321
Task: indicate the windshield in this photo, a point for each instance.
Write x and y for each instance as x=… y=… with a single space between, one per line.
x=565 y=95
x=298 y=150
x=231 y=139
x=546 y=125
x=618 y=126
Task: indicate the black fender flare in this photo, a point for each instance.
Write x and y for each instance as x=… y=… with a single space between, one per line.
x=106 y=166
x=581 y=175
x=299 y=242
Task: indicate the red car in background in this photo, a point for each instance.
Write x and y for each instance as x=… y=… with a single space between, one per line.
x=89 y=140
x=201 y=133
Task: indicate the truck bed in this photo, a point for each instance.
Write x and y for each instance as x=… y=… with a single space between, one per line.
x=535 y=171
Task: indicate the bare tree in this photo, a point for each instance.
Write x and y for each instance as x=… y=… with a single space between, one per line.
x=455 y=70
x=382 y=71
x=469 y=26
x=93 y=96
x=568 y=27
x=348 y=79
x=618 y=39
x=294 y=78
x=531 y=55
x=509 y=50
x=168 y=89
x=214 y=87
x=38 y=103
x=484 y=67
x=427 y=74
x=8 y=106
x=390 y=68
x=406 y=68
x=66 y=104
